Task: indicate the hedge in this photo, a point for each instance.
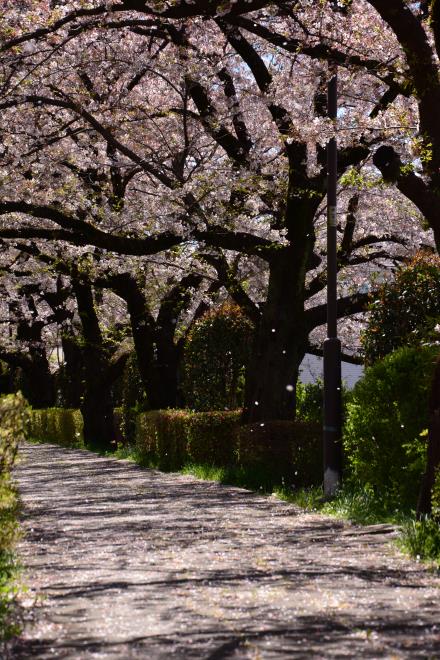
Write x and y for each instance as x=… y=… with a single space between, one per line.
x=216 y=352
x=61 y=426
x=281 y=452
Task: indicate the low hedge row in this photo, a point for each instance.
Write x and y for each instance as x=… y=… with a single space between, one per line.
x=281 y=452
x=61 y=426
x=276 y=452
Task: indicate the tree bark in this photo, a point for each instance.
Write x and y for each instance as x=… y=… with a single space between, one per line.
x=280 y=345
x=70 y=374
x=96 y=406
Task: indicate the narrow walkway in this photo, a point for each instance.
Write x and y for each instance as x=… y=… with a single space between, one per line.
x=133 y=563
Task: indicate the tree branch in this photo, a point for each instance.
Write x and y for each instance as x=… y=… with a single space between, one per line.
x=346 y=306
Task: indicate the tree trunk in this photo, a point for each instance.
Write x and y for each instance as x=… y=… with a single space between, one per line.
x=97 y=412
x=38 y=385
x=164 y=393
x=424 y=505
x=165 y=374
x=280 y=346
x=71 y=373
x=96 y=406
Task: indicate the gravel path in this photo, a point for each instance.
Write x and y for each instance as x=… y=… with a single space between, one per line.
x=132 y=563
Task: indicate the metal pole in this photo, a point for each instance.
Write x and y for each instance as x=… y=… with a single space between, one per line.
x=332 y=345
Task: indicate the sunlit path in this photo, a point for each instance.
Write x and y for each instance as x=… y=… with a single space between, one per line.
x=130 y=562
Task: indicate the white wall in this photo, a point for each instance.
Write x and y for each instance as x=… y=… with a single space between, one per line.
x=312 y=368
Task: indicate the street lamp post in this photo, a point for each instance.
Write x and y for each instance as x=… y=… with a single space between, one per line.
x=332 y=345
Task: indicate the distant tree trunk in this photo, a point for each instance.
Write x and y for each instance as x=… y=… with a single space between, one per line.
x=169 y=352
x=165 y=373
x=424 y=505
x=157 y=352
x=38 y=382
x=71 y=382
x=96 y=406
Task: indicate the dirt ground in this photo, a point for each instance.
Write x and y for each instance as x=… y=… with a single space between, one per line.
x=124 y=562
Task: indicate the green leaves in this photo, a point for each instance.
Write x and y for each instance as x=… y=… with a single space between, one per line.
x=216 y=353
x=406 y=310
x=383 y=439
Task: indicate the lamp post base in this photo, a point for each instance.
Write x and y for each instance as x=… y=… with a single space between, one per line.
x=332 y=417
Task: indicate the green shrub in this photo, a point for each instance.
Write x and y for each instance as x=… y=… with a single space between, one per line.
x=9 y=532
x=383 y=435
x=309 y=401
x=13 y=428
x=216 y=352
x=61 y=426
x=435 y=497
x=211 y=437
x=406 y=310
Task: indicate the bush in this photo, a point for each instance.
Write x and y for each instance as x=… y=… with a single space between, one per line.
x=435 y=497
x=62 y=426
x=9 y=532
x=309 y=402
x=13 y=428
x=406 y=310
x=384 y=438
x=216 y=352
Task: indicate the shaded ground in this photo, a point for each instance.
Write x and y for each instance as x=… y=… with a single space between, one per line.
x=134 y=563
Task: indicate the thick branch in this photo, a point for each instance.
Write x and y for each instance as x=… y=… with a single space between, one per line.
x=238 y=241
x=346 y=306
x=233 y=287
x=425 y=197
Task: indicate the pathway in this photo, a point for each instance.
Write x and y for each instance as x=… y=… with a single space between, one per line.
x=134 y=563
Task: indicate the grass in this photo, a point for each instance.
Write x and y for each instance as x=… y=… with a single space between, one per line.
x=243 y=477
x=351 y=503
x=9 y=533
x=421 y=539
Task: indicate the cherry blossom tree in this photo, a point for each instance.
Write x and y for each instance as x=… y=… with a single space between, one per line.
x=175 y=128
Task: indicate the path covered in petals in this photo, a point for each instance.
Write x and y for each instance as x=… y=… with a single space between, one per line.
x=125 y=562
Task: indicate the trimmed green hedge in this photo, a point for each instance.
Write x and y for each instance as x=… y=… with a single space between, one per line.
x=61 y=426
x=270 y=454
x=287 y=453
x=279 y=452
x=172 y=438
